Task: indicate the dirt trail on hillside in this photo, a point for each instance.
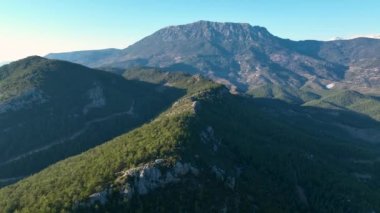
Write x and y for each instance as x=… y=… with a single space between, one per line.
x=72 y=136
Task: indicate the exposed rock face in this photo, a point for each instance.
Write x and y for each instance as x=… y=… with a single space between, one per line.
x=208 y=137
x=159 y=173
x=148 y=177
x=153 y=175
x=24 y=100
x=143 y=179
x=196 y=106
x=221 y=175
x=244 y=57
x=96 y=97
x=100 y=197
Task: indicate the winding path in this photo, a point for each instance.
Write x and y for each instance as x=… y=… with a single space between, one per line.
x=73 y=136
x=6 y=180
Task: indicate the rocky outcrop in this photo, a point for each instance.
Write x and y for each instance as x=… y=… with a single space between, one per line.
x=143 y=179
x=100 y=197
x=96 y=97
x=24 y=100
x=158 y=174
x=196 y=105
x=220 y=174
x=208 y=137
x=244 y=57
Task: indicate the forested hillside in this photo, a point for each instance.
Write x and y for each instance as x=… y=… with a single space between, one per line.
x=213 y=151
x=50 y=110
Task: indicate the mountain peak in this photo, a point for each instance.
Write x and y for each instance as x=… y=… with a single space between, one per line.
x=26 y=62
x=32 y=65
x=213 y=23
x=213 y=30
x=31 y=58
x=22 y=65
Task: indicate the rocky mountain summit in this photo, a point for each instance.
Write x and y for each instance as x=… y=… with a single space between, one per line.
x=138 y=135
x=246 y=57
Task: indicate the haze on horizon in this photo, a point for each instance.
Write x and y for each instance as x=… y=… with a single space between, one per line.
x=41 y=26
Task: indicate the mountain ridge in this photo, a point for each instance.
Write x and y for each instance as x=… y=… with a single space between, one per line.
x=51 y=109
x=189 y=157
x=245 y=57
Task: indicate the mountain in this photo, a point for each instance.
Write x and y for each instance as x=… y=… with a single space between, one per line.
x=350 y=101
x=357 y=55
x=246 y=57
x=212 y=151
x=366 y=36
x=285 y=126
x=90 y=58
x=50 y=110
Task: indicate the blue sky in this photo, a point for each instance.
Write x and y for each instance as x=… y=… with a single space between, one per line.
x=29 y=27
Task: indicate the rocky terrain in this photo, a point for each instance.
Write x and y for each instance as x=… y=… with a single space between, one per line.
x=246 y=57
x=214 y=151
x=255 y=123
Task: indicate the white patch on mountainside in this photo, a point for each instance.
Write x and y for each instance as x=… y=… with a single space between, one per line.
x=196 y=105
x=207 y=136
x=330 y=86
x=149 y=176
x=96 y=96
x=233 y=88
x=26 y=99
x=153 y=175
x=143 y=179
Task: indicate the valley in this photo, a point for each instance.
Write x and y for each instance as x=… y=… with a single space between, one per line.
x=201 y=117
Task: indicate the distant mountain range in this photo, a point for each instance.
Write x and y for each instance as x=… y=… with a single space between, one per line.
x=367 y=36
x=357 y=36
x=283 y=126
x=209 y=151
x=246 y=57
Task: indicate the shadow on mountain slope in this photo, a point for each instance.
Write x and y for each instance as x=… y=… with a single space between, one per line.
x=243 y=154
x=67 y=109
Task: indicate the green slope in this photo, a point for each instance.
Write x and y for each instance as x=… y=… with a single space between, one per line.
x=50 y=110
x=176 y=79
x=349 y=100
x=223 y=152
x=288 y=94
